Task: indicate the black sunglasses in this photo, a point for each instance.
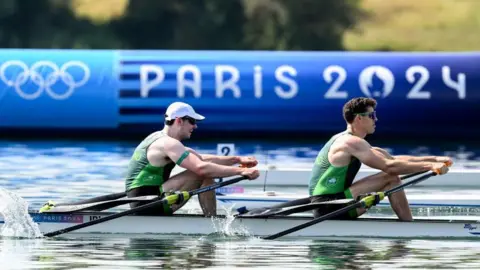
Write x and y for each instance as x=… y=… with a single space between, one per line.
x=191 y=120
x=371 y=115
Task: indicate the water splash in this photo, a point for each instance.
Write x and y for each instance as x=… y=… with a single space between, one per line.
x=17 y=221
x=227 y=227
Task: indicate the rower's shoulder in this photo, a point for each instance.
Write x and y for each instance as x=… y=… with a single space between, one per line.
x=168 y=142
x=351 y=141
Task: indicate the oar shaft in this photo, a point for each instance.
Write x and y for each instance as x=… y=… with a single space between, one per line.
x=412 y=175
x=104 y=219
x=314 y=221
x=102 y=198
x=216 y=185
x=409 y=183
x=140 y=208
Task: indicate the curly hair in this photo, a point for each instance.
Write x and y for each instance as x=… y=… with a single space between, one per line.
x=357 y=105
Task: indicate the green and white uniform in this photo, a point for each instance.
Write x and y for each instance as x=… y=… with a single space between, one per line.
x=143 y=178
x=328 y=182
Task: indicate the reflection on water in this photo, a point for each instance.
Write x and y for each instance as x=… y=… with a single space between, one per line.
x=355 y=254
x=181 y=252
x=383 y=254
x=171 y=253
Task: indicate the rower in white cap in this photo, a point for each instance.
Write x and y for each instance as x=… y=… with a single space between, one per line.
x=154 y=158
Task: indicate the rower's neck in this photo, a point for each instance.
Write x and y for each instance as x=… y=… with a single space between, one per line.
x=352 y=130
x=171 y=132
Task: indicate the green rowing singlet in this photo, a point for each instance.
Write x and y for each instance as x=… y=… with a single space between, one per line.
x=141 y=173
x=328 y=179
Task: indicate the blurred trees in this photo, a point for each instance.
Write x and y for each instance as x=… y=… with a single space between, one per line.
x=186 y=24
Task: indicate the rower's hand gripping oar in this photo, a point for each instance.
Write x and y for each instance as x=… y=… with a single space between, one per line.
x=171 y=199
x=366 y=202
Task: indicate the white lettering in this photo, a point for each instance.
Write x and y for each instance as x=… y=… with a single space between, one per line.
x=221 y=85
x=416 y=92
x=145 y=84
x=334 y=90
x=459 y=86
x=257 y=81
x=293 y=86
x=194 y=84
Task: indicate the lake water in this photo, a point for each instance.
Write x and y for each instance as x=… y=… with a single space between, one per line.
x=180 y=252
x=71 y=170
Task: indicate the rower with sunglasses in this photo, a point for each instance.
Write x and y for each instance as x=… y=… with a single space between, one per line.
x=155 y=157
x=340 y=159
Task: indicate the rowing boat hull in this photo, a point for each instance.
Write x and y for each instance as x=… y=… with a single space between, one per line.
x=267 y=199
x=449 y=227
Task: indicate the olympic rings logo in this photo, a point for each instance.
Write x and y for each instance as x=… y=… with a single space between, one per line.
x=43 y=81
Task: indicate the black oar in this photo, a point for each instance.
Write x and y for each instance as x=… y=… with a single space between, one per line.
x=94 y=206
x=171 y=199
x=366 y=202
x=242 y=211
x=102 y=198
x=284 y=211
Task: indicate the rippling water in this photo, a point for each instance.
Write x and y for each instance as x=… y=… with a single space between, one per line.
x=180 y=252
x=66 y=170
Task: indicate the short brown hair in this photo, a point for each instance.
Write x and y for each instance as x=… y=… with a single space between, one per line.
x=357 y=105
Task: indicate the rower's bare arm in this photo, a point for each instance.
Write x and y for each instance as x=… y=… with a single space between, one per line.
x=363 y=151
x=244 y=161
x=195 y=153
x=413 y=158
x=382 y=152
x=446 y=160
x=417 y=159
x=175 y=150
x=222 y=160
x=406 y=157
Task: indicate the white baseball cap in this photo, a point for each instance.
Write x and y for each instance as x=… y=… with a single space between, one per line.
x=181 y=109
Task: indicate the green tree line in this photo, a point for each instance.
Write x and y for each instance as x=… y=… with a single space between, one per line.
x=182 y=24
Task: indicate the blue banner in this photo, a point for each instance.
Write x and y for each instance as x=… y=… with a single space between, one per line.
x=57 y=89
x=245 y=91
x=301 y=91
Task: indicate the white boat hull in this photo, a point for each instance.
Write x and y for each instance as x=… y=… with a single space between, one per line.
x=257 y=200
x=449 y=227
